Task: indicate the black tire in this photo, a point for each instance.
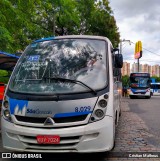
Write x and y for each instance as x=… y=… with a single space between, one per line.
x=114 y=142
x=120 y=113
x=148 y=97
x=131 y=97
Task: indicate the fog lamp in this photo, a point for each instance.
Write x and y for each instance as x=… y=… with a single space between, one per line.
x=99 y=113
x=7 y=113
x=5 y=104
x=103 y=103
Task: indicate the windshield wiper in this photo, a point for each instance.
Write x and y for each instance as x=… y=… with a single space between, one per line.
x=71 y=80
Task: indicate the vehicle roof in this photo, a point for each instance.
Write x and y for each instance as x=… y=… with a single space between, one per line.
x=7 y=60
x=72 y=36
x=156 y=83
x=140 y=73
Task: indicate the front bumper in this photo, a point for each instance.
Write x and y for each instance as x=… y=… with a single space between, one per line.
x=140 y=93
x=93 y=137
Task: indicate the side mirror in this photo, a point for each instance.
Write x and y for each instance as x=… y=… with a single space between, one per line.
x=118 y=60
x=115 y=50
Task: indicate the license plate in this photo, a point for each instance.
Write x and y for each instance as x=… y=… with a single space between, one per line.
x=48 y=139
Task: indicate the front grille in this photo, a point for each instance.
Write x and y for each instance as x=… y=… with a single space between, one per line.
x=51 y=145
x=139 y=92
x=70 y=119
x=65 y=142
x=56 y=120
x=30 y=119
x=62 y=138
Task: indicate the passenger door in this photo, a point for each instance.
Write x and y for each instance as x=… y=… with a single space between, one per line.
x=115 y=85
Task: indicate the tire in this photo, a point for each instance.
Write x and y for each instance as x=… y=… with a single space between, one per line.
x=120 y=113
x=114 y=141
x=148 y=97
x=131 y=97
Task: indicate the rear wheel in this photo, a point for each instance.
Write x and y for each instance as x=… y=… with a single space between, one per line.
x=148 y=97
x=114 y=135
x=131 y=97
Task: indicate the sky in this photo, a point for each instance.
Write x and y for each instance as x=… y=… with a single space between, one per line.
x=138 y=20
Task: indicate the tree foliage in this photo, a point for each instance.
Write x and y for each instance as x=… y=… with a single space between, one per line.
x=4 y=76
x=25 y=20
x=157 y=79
x=125 y=81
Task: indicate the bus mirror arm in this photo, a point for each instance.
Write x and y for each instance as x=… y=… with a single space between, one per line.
x=115 y=49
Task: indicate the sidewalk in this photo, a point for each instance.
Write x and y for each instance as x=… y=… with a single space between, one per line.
x=131 y=134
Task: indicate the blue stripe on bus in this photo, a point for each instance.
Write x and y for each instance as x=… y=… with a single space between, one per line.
x=44 y=39
x=20 y=104
x=69 y=114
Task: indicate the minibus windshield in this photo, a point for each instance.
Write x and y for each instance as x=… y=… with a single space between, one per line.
x=82 y=60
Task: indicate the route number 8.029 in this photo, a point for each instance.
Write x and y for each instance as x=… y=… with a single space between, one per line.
x=82 y=109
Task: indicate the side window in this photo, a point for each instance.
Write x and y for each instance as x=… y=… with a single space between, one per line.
x=113 y=57
x=113 y=64
x=116 y=71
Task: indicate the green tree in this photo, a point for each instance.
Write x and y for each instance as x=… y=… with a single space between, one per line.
x=157 y=79
x=23 y=21
x=4 y=76
x=125 y=80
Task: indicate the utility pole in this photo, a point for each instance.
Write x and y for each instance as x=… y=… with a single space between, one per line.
x=138 y=64
x=122 y=44
x=138 y=53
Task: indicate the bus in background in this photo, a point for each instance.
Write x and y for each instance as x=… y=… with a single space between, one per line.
x=155 y=89
x=63 y=96
x=139 y=85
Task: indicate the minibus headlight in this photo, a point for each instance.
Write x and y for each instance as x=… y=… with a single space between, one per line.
x=148 y=90
x=6 y=104
x=6 y=110
x=99 y=113
x=7 y=113
x=100 y=109
x=102 y=103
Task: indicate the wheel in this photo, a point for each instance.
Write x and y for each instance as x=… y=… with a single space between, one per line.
x=120 y=113
x=147 y=97
x=131 y=97
x=114 y=137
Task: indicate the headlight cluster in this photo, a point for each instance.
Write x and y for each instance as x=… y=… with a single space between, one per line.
x=100 y=109
x=148 y=90
x=5 y=109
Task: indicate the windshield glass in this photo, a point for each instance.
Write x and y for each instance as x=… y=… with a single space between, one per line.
x=155 y=86
x=139 y=82
x=76 y=59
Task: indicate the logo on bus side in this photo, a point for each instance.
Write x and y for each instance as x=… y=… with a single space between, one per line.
x=18 y=107
x=37 y=111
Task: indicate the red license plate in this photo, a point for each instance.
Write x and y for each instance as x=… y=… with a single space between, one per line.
x=48 y=139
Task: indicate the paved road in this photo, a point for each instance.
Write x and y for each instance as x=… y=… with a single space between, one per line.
x=138 y=131
x=149 y=111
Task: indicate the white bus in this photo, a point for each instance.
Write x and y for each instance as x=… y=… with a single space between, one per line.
x=63 y=96
x=155 y=89
x=139 y=85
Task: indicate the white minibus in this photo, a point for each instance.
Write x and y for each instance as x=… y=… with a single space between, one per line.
x=63 y=96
